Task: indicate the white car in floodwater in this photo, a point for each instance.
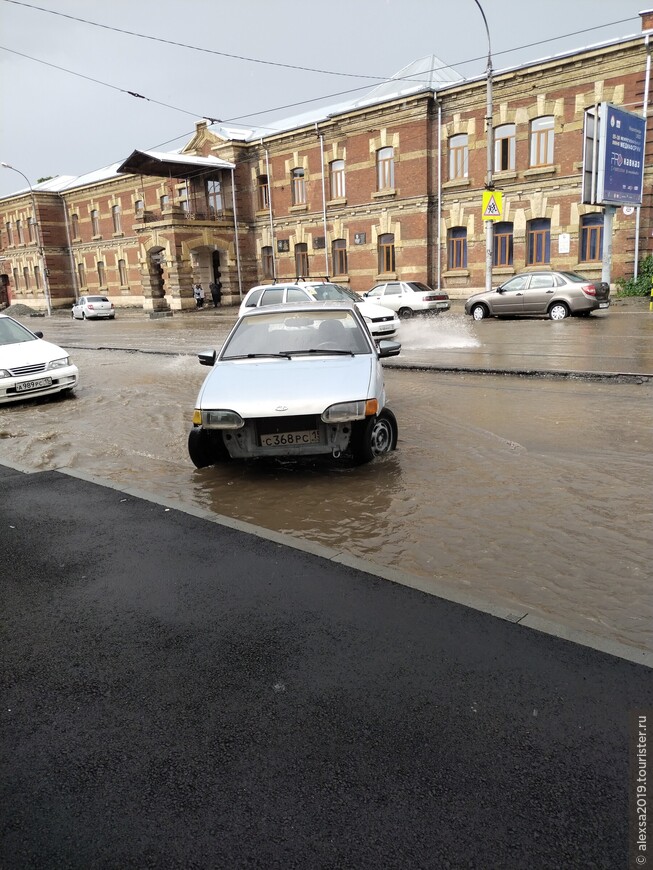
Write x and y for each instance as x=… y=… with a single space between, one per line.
x=295 y=380
x=30 y=366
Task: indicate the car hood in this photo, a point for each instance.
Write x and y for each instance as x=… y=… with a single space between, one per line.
x=372 y=310
x=257 y=388
x=24 y=353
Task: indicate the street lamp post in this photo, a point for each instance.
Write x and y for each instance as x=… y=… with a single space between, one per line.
x=489 y=181
x=39 y=242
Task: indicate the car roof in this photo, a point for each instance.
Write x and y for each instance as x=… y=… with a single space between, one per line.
x=308 y=307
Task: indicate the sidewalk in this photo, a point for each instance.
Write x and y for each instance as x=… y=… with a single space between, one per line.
x=187 y=692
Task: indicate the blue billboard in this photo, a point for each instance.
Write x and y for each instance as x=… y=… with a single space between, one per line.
x=622 y=142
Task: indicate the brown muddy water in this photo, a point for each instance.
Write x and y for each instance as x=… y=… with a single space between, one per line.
x=529 y=492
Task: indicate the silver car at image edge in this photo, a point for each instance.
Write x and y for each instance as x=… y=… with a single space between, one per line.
x=557 y=295
x=295 y=380
x=29 y=366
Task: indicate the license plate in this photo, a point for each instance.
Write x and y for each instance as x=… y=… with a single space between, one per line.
x=442 y=305
x=286 y=439
x=23 y=386
x=604 y=304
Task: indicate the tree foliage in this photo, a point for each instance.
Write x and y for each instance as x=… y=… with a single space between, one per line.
x=640 y=286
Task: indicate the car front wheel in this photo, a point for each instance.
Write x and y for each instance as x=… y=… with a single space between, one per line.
x=479 y=312
x=206 y=448
x=374 y=437
x=558 y=311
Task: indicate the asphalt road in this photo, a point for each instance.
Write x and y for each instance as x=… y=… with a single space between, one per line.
x=180 y=694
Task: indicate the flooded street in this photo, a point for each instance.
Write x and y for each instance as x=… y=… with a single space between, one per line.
x=530 y=492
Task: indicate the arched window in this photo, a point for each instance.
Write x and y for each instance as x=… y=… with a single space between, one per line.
x=503 y=235
x=95 y=222
x=542 y=141
x=458 y=156
x=81 y=272
x=385 y=169
x=337 y=179
x=591 y=237
x=267 y=261
x=539 y=242
x=115 y=216
x=102 y=278
x=301 y=260
x=504 y=147
x=339 y=255
x=122 y=273
x=298 y=187
x=75 y=226
x=386 y=253
x=457 y=248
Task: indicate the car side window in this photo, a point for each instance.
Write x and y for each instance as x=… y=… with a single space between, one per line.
x=253 y=299
x=519 y=282
x=297 y=295
x=377 y=291
x=393 y=289
x=540 y=281
x=273 y=296
x=559 y=281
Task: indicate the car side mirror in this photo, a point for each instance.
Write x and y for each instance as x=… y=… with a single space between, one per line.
x=388 y=348
x=207 y=357
x=38 y=334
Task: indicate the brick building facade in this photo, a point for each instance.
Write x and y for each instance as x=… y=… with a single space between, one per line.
x=389 y=186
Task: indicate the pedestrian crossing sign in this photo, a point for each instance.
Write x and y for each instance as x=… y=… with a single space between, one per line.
x=492 y=205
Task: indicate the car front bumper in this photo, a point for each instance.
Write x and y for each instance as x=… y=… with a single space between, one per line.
x=15 y=389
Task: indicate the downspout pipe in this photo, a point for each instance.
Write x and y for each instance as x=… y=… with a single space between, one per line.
x=324 y=218
x=439 y=212
x=233 y=198
x=267 y=175
x=73 y=269
x=647 y=80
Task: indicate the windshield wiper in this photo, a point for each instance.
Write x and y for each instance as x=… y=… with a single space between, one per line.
x=324 y=351
x=283 y=355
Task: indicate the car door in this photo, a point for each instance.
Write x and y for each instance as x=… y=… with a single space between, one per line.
x=509 y=297
x=392 y=296
x=376 y=293
x=538 y=295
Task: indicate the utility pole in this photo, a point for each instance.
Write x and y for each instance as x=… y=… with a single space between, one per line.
x=489 y=181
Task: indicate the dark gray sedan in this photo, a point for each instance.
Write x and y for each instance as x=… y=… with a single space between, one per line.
x=554 y=294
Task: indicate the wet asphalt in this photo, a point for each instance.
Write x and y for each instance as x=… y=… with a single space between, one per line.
x=181 y=693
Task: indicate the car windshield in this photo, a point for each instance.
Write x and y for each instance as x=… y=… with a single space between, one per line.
x=11 y=332
x=283 y=334
x=335 y=293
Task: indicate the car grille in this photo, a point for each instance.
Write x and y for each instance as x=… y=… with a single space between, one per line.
x=28 y=370
x=383 y=319
x=274 y=425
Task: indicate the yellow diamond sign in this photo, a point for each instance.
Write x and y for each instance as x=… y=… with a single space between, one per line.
x=492 y=205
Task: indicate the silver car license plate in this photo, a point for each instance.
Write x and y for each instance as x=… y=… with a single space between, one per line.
x=24 y=386
x=604 y=304
x=286 y=439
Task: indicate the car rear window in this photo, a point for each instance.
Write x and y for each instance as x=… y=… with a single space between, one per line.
x=575 y=277
x=96 y=299
x=419 y=287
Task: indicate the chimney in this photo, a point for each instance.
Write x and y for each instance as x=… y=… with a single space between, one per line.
x=647 y=20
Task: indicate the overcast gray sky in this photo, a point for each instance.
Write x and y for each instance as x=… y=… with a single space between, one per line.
x=56 y=123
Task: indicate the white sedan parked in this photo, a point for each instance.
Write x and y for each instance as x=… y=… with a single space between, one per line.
x=409 y=298
x=29 y=366
x=89 y=307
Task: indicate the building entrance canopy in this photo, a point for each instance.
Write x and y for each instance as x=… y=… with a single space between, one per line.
x=164 y=164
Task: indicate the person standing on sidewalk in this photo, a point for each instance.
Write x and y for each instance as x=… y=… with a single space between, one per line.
x=198 y=293
x=216 y=292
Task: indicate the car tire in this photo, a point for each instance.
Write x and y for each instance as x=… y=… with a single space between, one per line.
x=479 y=312
x=83 y=316
x=558 y=311
x=374 y=436
x=405 y=313
x=206 y=448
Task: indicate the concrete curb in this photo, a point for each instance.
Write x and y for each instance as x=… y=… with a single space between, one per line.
x=524 y=619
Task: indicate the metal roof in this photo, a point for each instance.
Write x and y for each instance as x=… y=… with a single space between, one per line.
x=161 y=163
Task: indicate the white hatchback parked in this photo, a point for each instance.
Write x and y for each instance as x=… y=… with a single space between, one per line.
x=381 y=322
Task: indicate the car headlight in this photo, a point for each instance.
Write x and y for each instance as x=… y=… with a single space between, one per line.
x=4 y=373
x=344 y=411
x=59 y=363
x=221 y=419
x=367 y=319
